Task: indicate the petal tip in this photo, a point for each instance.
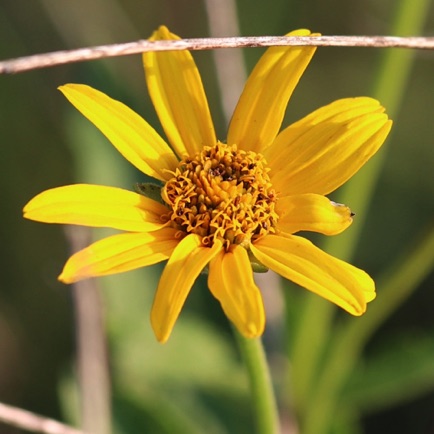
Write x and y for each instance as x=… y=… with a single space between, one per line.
x=163 y=30
x=26 y=211
x=162 y=33
x=358 y=312
x=64 y=278
x=162 y=339
x=251 y=330
x=70 y=274
x=161 y=333
x=255 y=330
x=65 y=88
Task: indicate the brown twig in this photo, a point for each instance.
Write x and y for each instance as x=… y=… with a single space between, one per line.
x=91 y=359
x=32 y=422
x=91 y=53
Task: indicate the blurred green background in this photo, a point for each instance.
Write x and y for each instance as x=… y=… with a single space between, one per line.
x=196 y=378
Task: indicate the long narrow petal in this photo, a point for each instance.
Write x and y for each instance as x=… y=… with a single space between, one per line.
x=323 y=150
x=258 y=116
x=297 y=259
x=176 y=90
x=119 y=253
x=131 y=135
x=96 y=206
x=312 y=212
x=231 y=281
x=185 y=264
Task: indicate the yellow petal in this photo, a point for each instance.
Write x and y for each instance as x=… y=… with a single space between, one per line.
x=312 y=212
x=176 y=90
x=96 y=206
x=119 y=253
x=323 y=150
x=131 y=135
x=185 y=264
x=258 y=116
x=297 y=259
x=231 y=281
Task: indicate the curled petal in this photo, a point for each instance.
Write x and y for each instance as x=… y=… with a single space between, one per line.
x=231 y=281
x=96 y=206
x=185 y=264
x=119 y=253
x=176 y=90
x=259 y=113
x=323 y=150
x=130 y=134
x=312 y=212
x=297 y=259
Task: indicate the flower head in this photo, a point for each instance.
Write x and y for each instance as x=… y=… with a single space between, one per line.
x=224 y=204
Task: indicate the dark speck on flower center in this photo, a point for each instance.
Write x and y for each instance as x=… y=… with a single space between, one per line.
x=222 y=193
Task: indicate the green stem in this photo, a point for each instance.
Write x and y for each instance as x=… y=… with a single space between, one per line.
x=389 y=89
x=317 y=387
x=397 y=284
x=264 y=401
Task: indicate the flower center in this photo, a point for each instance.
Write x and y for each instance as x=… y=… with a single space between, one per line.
x=222 y=193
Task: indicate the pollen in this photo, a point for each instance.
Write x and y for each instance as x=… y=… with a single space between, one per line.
x=222 y=193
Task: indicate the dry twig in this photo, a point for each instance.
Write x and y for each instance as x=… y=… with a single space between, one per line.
x=91 y=53
x=32 y=422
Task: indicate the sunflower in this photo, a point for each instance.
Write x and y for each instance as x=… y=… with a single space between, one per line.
x=224 y=206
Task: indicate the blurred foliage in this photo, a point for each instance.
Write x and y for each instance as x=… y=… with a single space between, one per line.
x=197 y=380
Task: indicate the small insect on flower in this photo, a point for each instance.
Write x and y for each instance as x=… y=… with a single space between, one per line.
x=232 y=207
x=352 y=214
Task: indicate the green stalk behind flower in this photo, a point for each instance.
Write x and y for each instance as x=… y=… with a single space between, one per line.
x=317 y=387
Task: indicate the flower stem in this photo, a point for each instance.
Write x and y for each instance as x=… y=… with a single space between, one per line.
x=265 y=407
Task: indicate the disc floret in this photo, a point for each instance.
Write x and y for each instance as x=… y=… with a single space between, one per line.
x=222 y=193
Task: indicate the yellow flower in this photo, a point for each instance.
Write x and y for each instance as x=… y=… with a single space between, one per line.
x=223 y=204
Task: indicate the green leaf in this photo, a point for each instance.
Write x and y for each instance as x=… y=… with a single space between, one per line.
x=402 y=371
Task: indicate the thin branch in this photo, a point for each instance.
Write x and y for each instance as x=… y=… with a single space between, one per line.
x=91 y=359
x=102 y=51
x=32 y=422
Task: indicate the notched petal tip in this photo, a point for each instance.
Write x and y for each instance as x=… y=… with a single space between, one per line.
x=68 y=88
x=251 y=330
x=162 y=33
x=359 y=310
